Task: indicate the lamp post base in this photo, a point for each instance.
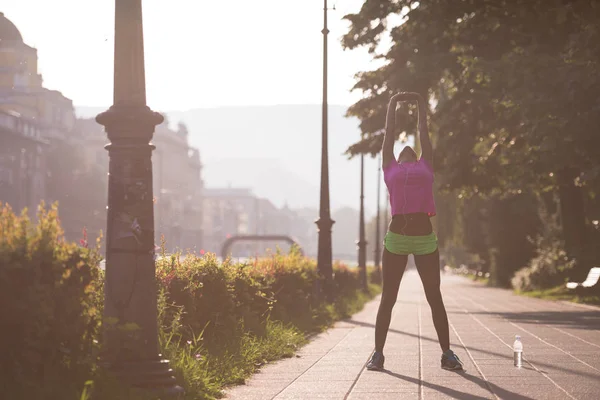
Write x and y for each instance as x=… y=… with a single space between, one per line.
x=149 y=375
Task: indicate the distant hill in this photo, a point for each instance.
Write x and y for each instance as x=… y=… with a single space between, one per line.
x=269 y=178
x=276 y=151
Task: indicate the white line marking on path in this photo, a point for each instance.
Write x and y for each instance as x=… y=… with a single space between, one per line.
x=544 y=374
x=312 y=365
x=574 y=336
x=349 y=392
x=530 y=309
x=533 y=335
x=487 y=383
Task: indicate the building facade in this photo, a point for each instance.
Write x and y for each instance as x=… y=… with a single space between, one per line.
x=227 y=213
x=46 y=153
x=31 y=119
x=22 y=162
x=37 y=123
x=22 y=90
x=177 y=181
x=178 y=188
x=232 y=211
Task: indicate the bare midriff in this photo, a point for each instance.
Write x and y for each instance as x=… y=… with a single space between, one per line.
x=416 y=224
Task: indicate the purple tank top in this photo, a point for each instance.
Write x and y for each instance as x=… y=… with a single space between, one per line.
x=410 y=186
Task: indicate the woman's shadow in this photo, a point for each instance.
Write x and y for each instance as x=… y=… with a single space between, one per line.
x=487 y=385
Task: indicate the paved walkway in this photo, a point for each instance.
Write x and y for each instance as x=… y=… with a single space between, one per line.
x=561 y=350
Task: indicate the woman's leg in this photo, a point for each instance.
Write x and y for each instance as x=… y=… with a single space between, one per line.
x=393 y=267
x=429 y=270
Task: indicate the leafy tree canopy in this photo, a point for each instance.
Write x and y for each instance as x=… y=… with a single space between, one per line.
x=513 y=84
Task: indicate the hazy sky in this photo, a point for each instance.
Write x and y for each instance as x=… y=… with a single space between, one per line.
x=202 y=53
x=199 y=53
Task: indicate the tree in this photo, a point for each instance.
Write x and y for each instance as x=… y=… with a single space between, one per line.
x=516 y=101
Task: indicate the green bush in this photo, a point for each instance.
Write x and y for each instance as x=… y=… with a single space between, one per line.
x=220 y=299
x=215 y=297
x=375 y=277
x=221 y=321
x=291 y=282
x=218 y=322
x=49 y=292
x=551 y=265
x=547 y=269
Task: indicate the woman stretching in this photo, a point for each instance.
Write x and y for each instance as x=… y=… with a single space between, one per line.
x=410 y=184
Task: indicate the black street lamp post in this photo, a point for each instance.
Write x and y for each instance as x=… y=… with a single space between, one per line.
x=324 y=223
x=362 y=242
x=130 y=348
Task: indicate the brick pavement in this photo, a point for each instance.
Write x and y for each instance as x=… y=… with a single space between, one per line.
x=561 y=351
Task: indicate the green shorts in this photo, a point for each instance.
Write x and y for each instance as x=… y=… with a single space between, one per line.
x=404 y=245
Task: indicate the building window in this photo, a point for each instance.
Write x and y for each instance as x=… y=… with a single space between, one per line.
x=58 y=118
x=39 y=185
x=20 y=80
x=243 y=223
x=6 y=176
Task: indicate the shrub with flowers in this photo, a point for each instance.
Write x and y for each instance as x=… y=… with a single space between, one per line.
x=217 y=299
x=221 y=298
x=219 y=321
x=50 y=297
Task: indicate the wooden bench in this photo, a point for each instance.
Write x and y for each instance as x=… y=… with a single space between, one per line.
x=591 y=280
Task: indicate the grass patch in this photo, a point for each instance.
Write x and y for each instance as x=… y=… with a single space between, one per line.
x=233 y=367
x=476 y=278
x=236 y=318
x=563 y=294
x=472 y=274
x=218 y=321
x=205 y=373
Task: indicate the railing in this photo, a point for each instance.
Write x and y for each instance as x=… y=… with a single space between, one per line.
x=256 y=238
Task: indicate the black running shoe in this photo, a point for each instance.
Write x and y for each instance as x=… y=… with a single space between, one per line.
x=451 y=361
x=376 y=362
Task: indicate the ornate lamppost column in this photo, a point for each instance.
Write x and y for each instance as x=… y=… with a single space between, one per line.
x=324 y=223
x=131 y=348
x=362 y=242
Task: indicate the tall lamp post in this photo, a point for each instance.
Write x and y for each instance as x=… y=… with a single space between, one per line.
x=132 y=354
x=324 y=223
x=362 y=242
x=377 y=255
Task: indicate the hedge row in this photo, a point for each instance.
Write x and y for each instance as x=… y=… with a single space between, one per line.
x=218 y=321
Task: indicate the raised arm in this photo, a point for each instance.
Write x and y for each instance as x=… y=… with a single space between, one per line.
x=426 y=147
x=390 y=129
